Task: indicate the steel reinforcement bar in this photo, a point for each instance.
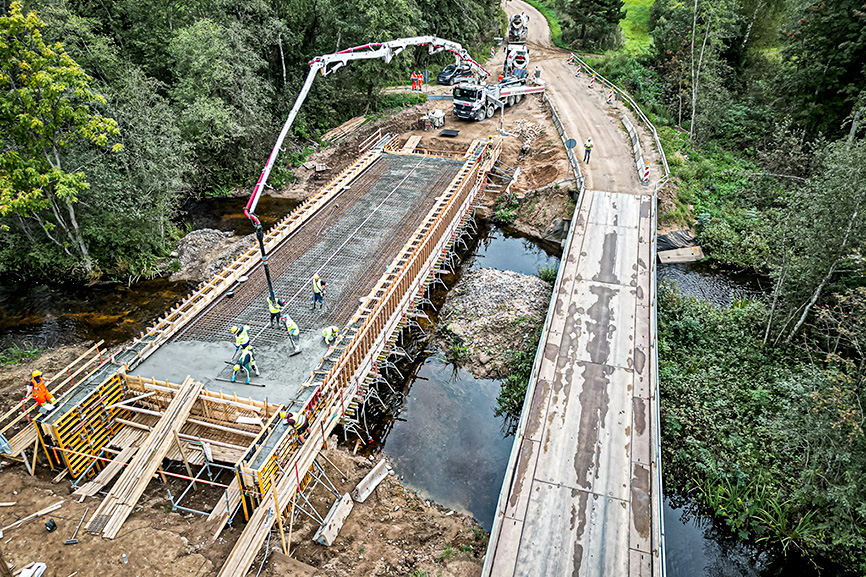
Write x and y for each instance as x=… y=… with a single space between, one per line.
x=365 y=338
x=177 y=317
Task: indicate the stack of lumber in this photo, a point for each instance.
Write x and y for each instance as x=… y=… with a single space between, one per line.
x=117 y=506
x=344 y=129
x=91 y=488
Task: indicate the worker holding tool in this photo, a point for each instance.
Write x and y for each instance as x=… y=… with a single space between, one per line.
x=297 y=420
x=39 y=392
x=242 y=338
x=246 y=360
x=275 y=308
x=318 y=291
x=292 y=330
x=587 y=149
x=329 y=334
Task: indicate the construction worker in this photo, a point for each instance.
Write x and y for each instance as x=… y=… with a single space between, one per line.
x=242 y=338
x=39 y=392
x=292 y=330
x=246 y=360
x=414 y=78
x=329 y=334
x=489 y=150
x=318 y=291
x=275 y=308
x=420 y=81
x=298 y=420
x=537 y=72
x=587 y=149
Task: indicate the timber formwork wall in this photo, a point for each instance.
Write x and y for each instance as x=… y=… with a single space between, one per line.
x=17 y=424
x=382 y=313
x=78 y=437
x=83 y=431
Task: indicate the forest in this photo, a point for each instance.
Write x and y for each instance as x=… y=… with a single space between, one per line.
x=114 y=113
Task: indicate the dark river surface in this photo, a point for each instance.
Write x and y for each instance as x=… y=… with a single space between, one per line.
x=445 y=441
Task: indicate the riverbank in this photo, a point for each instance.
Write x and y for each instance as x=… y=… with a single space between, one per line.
x=488 y=316
x=765 y=438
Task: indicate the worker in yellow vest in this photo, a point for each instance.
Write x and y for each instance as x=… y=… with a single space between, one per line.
x=275 y=308
x=318 y=291
x=330 y=334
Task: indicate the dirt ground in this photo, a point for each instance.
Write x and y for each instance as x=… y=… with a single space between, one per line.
x=14 y=378
x=393 y=533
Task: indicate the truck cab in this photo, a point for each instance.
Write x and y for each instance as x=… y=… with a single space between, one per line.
x=470 y=101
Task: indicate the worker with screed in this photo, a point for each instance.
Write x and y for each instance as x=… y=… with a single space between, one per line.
x=246 y=361
x=318 y=291
x=292 y=330
x=242 y=338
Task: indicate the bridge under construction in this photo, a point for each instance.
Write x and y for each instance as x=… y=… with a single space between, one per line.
x=380 y=233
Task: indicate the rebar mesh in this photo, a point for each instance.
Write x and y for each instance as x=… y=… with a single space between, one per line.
x=348 y=243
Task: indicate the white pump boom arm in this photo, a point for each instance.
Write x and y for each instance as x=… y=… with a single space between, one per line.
x=329 y=63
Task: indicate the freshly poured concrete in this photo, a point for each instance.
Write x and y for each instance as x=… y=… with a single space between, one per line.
x=281 y=374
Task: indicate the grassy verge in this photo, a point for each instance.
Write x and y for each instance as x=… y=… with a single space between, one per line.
x=552 y=21
x=519 y=365
x=17 y=354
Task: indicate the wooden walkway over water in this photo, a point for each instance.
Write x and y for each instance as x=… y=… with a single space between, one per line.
x=581 y=496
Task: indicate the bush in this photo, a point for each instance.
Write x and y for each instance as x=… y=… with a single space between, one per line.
x=548 y=273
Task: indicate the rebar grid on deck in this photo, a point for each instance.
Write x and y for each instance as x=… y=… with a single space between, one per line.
x=348 y=243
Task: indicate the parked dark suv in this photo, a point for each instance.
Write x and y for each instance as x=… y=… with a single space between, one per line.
x=453 y=74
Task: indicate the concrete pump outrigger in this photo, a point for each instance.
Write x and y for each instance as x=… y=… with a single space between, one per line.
x=329 y=63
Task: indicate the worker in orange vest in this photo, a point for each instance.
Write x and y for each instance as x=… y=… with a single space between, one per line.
x=39 y=392
x=420 y=80
x=414 y=78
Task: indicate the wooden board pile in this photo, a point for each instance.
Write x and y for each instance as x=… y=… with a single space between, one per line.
x=344 y=129
x=118 y=505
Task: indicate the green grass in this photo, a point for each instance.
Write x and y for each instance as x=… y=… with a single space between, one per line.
x=635 y=26
x=16 y=354
x=553 y=22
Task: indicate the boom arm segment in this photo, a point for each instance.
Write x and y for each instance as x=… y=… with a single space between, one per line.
x=329 y=63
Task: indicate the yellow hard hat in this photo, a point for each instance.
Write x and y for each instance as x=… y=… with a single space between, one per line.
x=282 y=414
x=37 y=373
x=237 y=367
x=316 y=275
x=235 y=329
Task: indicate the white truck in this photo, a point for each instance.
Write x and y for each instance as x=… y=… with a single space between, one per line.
x=480 y=101
x=516 y=52
x=518 y=27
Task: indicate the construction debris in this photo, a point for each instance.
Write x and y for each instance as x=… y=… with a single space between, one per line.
x=40 y=513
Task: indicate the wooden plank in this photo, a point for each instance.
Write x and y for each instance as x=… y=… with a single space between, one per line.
x=118 y=505
x=105 y=476
x=688 y=254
